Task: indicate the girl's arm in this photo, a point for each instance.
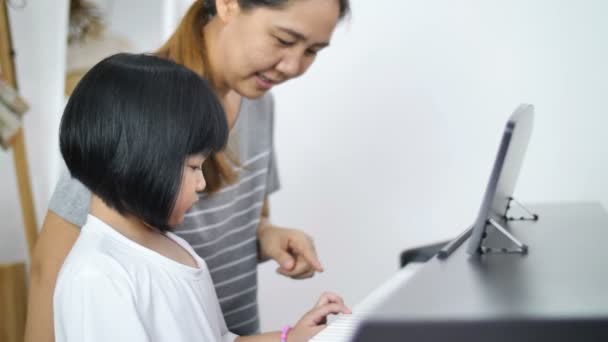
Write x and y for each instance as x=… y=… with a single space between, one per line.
x=309 y=325
x=94 y=302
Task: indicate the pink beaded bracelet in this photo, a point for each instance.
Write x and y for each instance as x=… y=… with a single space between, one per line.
x=284 y=333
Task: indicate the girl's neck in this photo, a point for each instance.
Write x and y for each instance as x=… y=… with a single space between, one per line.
x=129 y=226
x=138 y=232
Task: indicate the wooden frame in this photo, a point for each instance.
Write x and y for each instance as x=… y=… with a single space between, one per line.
x=7 y=67
x=13 y=284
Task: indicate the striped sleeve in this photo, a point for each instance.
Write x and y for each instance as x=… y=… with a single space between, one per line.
x=70 y=200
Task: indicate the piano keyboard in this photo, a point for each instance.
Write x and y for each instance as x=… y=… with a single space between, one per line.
x=345 y=326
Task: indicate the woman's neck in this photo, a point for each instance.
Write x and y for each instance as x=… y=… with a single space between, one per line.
x=229 y=98
x=211 y=32
x=129 y=226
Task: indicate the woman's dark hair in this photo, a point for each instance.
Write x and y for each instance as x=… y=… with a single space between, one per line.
x=129 y=126
x=248 y=4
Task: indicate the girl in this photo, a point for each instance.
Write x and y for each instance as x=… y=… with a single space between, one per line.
x=136 y=132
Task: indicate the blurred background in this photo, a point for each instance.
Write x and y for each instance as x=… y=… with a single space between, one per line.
x=386 y=143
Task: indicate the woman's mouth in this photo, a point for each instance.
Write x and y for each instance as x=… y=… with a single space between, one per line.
x=264 y=82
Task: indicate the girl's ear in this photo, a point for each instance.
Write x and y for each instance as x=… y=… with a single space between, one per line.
x=227 y=9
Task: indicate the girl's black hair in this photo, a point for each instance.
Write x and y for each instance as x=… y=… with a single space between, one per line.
x=129 y=126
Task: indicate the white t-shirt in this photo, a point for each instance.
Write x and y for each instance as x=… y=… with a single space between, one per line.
x=112 y=289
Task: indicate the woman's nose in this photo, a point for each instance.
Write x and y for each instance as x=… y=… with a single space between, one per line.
x=290 y=65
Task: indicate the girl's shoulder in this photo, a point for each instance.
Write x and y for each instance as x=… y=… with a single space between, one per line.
x=94 y=255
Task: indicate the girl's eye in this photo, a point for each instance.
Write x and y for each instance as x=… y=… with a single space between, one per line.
x=284 y=42
x=196 y=168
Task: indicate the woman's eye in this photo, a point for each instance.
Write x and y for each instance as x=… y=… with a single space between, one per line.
x=195 y=167
x=284 y=42
x=311 y=52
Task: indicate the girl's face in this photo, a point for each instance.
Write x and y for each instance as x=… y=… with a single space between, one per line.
x=262 y=47
x=192 y=183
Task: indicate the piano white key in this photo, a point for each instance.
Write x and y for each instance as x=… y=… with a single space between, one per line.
x=345 y=326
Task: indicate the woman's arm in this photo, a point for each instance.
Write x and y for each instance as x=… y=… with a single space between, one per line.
x=54 y=243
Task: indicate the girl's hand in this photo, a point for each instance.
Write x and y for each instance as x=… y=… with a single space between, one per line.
x=316 y=319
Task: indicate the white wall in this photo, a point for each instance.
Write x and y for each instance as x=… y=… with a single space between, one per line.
x=388 y=141
x=146 y=23
x=40 y=67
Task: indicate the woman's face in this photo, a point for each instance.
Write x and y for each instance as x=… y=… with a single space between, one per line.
x=192 y=183
x=263 y=46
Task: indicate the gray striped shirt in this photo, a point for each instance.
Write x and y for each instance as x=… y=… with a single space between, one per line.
x=222 y=227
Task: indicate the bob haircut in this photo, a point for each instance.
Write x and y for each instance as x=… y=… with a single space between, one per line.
x=129 y=126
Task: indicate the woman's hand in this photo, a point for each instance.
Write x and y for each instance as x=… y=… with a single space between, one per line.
x=316 y=319
x=292 y=249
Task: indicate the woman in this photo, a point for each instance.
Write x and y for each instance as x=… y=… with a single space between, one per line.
x=244 y=48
